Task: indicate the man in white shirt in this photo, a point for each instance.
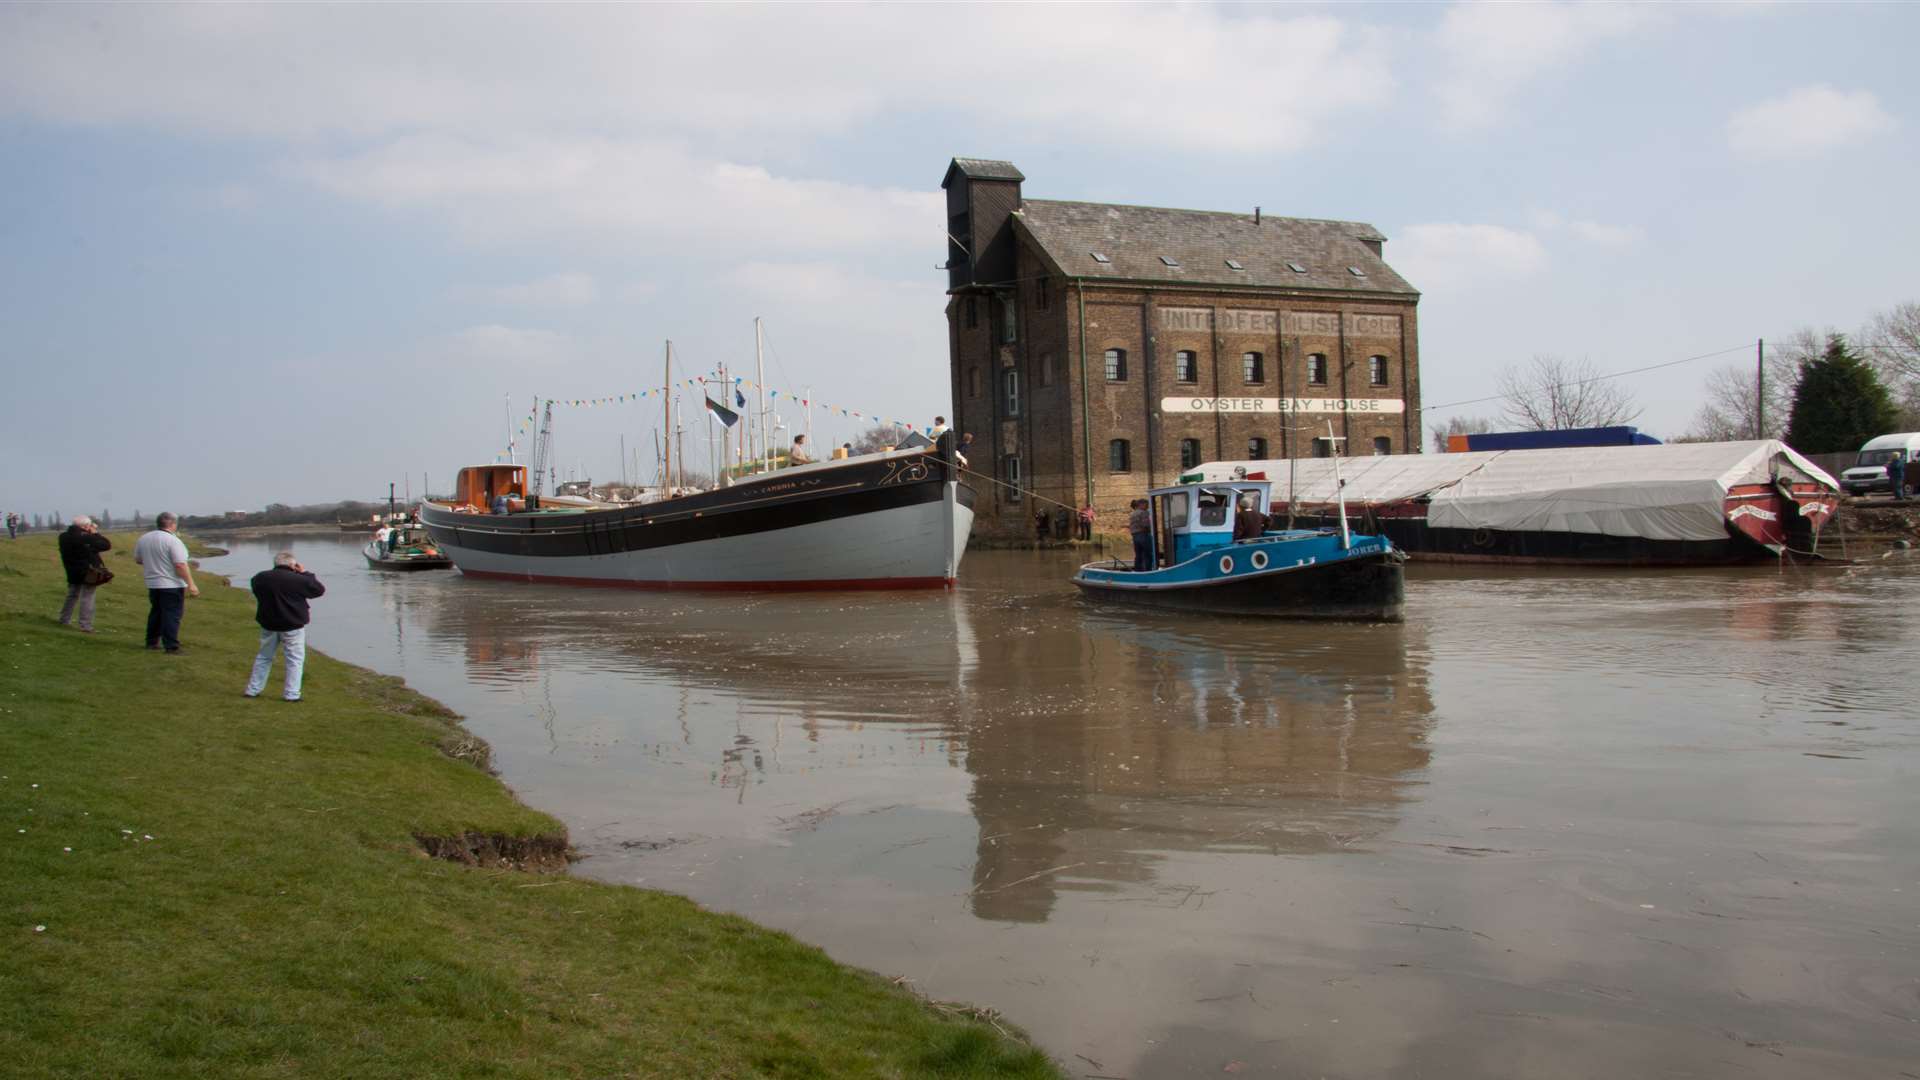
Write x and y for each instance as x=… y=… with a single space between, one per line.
x=380 y=537
x=163 y=558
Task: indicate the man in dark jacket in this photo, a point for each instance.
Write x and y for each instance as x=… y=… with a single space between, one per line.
x=281 y=610
x=1248 y=523
x=80 y=548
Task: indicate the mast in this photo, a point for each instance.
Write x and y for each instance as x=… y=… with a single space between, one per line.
x=808 y=405
x=510 y=458
x=666 y=405
x=1339 y=487
x=760 y=390
x=680 y=443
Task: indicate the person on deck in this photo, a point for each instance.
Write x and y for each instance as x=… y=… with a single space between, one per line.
x=1140 y=524
x=960 y=453
x=798 y=455
x=938 y=429
x=500 y=503
x=381 y=536
x=163 y=558
x=1248 y=523
x=281 y=596
x=1897 y=474
x=80 y=548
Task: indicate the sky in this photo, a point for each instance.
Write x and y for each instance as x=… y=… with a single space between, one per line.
x=292 y=253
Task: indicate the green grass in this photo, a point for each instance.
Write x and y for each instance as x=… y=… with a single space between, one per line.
x=283 y=921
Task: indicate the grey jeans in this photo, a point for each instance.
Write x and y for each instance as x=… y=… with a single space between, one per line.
x=80 y=596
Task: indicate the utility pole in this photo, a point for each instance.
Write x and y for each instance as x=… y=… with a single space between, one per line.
x=1760 y=388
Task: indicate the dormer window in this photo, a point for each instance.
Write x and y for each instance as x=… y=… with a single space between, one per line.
x=1356 y=271
x=1170 y=261
x=1234 y=264
x=1296 y=268
x=1099 y=258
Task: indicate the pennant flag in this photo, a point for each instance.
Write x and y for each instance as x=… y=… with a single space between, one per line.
x=721 y=412
x=739 y=399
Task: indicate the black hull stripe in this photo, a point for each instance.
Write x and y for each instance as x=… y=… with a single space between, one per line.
x=711 y=516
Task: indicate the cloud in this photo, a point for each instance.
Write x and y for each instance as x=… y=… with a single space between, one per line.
x=555 y=291
x=1493 y=51
x=496 y=346
x=1451 y=257
x=792 y=72
x=1807 y=121
x=1598 y=234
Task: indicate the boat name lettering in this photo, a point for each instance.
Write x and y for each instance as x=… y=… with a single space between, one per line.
x=1281 y=405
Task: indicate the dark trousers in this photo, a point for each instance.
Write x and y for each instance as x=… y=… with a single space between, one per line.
x=1143 y=551
x=165 y=606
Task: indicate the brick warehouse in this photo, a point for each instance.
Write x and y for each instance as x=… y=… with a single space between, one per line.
x=1100 y=350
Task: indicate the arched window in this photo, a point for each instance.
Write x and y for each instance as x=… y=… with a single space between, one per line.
x=1010 y=384
x=1382 y=446
x=1256 y=449
x=1253 y=367
x=1116 y=365
x=1317 y=369
x=1376 y=371
x=1119 y=456
x=1189 y=453
x=1186 y=366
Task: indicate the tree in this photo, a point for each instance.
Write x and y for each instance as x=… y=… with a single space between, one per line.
x=1839 y=404
x=1554 y=394
x=1458 y=425
x=878 y=437
x=1892 y=343
x=106 y=519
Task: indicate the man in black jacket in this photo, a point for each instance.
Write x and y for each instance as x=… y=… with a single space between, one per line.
x=281 y=610
x=80 y=548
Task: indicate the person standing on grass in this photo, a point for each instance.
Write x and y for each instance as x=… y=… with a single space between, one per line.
x=1897 y=474
x=282 y=594
x=169 y=581
x=80 y=548
x=13 y=526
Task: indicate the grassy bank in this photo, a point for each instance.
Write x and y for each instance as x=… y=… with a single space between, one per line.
x=233 y=887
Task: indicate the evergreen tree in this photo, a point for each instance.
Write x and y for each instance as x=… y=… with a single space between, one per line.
x=1839 y=403
x=106 y=520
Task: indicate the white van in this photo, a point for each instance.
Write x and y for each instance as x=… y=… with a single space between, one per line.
x=1869 y=473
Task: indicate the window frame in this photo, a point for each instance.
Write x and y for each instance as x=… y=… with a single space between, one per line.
x=1010 y=473
x=1185 y=445
x=1119 y=456
x=1317 y=377
x=1010 y=391
x=1257 y=448
x=1114 y=363
x=1253 y=368
x=1379 y=376
x=1192 y=359
x=1383 y=446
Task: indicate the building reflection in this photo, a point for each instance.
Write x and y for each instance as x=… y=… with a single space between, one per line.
x=1184 y=736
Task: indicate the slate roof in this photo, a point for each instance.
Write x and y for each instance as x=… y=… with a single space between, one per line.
x=1136 y=238
x=981 y=169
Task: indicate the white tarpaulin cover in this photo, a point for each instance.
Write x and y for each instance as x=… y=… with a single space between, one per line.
x=1671 y=492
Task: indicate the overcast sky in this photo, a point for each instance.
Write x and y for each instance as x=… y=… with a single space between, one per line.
x=292 y=252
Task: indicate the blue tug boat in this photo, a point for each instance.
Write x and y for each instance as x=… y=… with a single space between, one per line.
x=1283 y=573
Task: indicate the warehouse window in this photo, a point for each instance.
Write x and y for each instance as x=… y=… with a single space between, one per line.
x=1323 y=447
x=1317 y=369
x=1253 y=367
x=1186 y=366
x=1376 y=371
x=1119 y=456
x=1382 y=446
x=1046 y=369
x=1116 y=365
x=1010 y=472
x=973 y=382
x=1189 y=453
x=1041 y=294
x=1256 y=449
x=1009 y=325
x=1010 y=387
x=973 y=312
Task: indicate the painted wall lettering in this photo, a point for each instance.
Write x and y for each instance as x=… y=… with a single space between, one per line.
x=1386 y=326
x=1177 y=405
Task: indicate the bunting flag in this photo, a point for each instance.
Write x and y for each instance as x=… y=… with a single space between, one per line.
x=740 y=385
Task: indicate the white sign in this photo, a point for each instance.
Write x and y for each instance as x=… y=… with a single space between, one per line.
x=1175 y=405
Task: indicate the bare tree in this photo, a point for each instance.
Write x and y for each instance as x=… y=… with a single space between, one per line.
x=1554 y=394
x=1457 y=425
x=1891 y=342
x=1730 y=411
x=878 y=437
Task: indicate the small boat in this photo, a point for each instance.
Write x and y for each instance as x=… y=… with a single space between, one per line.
x=1285 y=573
x=408 y=548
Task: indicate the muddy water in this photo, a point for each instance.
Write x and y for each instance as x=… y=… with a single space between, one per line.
x=1557 y=824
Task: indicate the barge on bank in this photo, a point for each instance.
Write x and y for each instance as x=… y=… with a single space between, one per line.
x=1683 y=504
x=898 y=519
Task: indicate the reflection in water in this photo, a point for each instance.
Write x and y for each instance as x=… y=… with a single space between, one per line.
x=1554 y=824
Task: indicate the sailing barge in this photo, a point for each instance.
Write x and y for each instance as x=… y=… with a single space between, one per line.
x=897 y=519
x=1684 y=504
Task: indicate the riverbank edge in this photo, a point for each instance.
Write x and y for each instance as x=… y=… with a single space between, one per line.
x=107 y=931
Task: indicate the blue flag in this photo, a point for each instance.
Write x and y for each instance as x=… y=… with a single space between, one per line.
x=739 y=399
x=721 y=412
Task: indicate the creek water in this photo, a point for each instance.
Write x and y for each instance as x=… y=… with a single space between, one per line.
x=1556 y=824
